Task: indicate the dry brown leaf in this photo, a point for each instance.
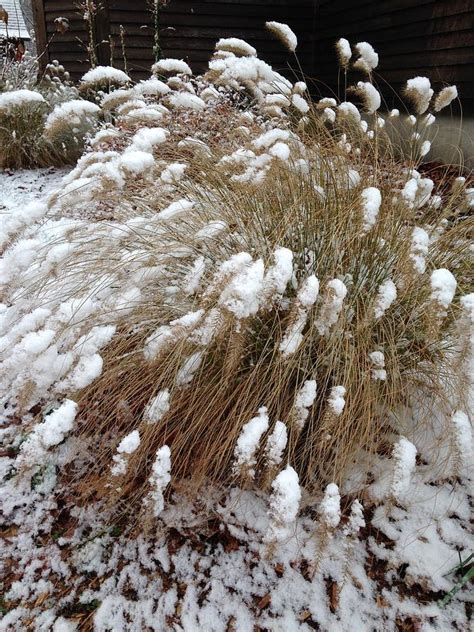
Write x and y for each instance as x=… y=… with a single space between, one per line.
x=333 y=597
x=264 y=601
x=304 y=614
x=41 y=599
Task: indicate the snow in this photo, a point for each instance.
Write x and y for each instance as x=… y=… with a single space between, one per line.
x=300 y=104
x=248 y=443
x=105 y=75
x=344 y=51
x=19 y=98
x=308 y=292
x=425 y=148
x=151 y=87
x=386 y=295
x=419 y=248
x=129 y=443
x=284 y=34
x=276 y=444
x=57 y=424
x=267 y=139
x=368 y=59
x=463 y=438
x=305 y=298
x=71 y=112
x=332 y=306
x=238 y=558
x=160 y=478
x=241 y=296
x=147 y=138
x=171 y=66
x=336 y=399
x=371 y=201
x=356 y=520
x=236 y=46
x=278 y=275
x=404 y=456
x=348 y=110
x=190 y=366
x=330 y=507
x=420 y=92
x=280 y=151
x=370 y=95
x=157 y=407
x=303 y=402
x=186 y=101
x=135 y=162
x=377 y=358
x=284 y=505
x=443 y=287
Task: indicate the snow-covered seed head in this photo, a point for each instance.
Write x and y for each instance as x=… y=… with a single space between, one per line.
x=445 y=97
x=171 y=66
x=332 y=306
x=370 y=96
x=462 y=430
x=425 y=148
x=386 y=295
x=443 y=288
x=276 y=444
x=377 y=360
x=303 y=401
x=305 y=298
x=404 y=462
x=278 y=275
x=419 y=249
x=330 y=507
x=336 y=400
x=356 y=520
x=419 y=92
x=159 y=479
x=368 y=59
x=284 y=505
x=344 y=52
x=157 y=407
x=248 y=443
x=239 y=47
x=125 y=448
x=371 y=202
x=284 y=34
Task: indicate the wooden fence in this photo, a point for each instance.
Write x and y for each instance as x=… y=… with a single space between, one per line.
x=413 y=37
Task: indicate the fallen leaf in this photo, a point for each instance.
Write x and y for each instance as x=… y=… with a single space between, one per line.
x=304 y=614
x=333 y=597
x=264 y=601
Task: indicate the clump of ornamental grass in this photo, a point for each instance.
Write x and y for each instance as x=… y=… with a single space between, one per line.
x=22 y=115
x=231 y=320
x=266 y=301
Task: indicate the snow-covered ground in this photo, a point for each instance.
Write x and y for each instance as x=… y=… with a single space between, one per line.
x=18 y=188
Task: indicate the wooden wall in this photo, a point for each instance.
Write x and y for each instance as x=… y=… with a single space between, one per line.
x=188 y=30
x=434 y=38
x=413 y=37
